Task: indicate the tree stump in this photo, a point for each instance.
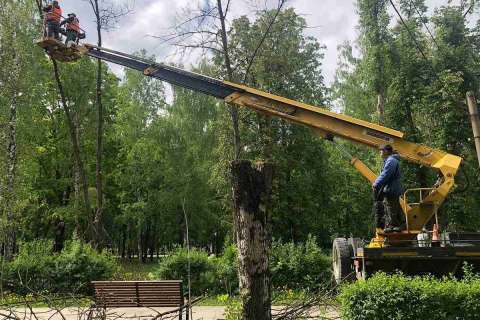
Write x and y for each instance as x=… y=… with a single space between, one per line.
x=251 y=195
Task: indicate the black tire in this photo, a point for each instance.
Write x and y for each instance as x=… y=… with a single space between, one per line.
x=342 y=260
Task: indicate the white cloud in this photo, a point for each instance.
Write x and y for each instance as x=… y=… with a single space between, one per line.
x=331 y=21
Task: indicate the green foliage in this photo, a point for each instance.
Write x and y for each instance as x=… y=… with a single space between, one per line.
x=45 y=300
x=166 y=159
x=293 y=267
x=227 y=269
x=425 y=80
x=233 y=309
x=135 y=270
x=405 y=298
x=37 y=269
x=202 y=270
x=299 y=266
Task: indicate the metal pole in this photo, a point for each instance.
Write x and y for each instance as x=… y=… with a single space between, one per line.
x=473 y=110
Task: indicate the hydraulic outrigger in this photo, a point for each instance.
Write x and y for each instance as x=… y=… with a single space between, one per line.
x=387 y=252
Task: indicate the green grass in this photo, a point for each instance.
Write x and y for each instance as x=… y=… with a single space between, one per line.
x=43 y=302
x=133 y=270
x=216 y=301
x=283 y=297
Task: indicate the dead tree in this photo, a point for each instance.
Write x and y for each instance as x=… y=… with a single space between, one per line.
x=251 y=190
x=206 y=29
x=106 y=17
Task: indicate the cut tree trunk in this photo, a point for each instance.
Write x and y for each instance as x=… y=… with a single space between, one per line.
x=251 y=191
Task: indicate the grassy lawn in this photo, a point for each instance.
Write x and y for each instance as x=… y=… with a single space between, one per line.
x=284 y=297
x=58 y=301
x=133 y=270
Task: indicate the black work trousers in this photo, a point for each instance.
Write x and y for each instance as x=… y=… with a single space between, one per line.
x=53 y=30
x=387 y=210
x=71 y=36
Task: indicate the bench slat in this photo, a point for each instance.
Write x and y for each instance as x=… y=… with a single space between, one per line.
x=138 y=293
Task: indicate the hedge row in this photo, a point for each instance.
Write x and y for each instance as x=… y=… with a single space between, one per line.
x=37 y=269
x=398 y=297
x=301 y=266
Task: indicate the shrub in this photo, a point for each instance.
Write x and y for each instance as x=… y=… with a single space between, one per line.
x=202 y=269
x=398 y=297
x=233 y=310
x=226 y=267
x=31 y=270
x=293 y=266
x=38 y=269
x=299 y=266
x=79 y=264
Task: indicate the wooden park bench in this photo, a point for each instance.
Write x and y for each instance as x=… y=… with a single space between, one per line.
x=116 y=294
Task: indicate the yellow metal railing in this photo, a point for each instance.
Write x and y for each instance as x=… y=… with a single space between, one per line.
x=423 y=194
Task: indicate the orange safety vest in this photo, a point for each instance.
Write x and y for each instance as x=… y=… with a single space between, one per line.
x=55 y=14
x=74 y=25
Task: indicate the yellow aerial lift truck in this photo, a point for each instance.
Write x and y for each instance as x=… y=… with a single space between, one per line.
x=409 y=251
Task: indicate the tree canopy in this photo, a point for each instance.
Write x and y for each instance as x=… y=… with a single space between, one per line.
x=162 y=161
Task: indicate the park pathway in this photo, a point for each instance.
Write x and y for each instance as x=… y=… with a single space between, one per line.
x=199 y=313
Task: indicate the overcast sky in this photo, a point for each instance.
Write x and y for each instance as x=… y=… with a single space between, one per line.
x=332 y=22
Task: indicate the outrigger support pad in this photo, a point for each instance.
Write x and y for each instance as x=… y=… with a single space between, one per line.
x=59 y=51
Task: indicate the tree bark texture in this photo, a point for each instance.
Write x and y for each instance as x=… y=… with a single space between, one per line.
x=75 y=144
x=251 y=191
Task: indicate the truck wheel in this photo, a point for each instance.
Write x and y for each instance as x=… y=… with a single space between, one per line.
x=342 y=260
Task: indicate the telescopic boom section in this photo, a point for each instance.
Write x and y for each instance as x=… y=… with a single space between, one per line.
x=323 y=122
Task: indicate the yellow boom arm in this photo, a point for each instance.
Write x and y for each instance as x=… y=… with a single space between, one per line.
x=326 y=123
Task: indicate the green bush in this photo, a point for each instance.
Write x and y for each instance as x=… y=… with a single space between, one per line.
x=38 y=269
x=293 y=267
x=299 y=266
x=226 y=267
x=202 y=269
x=233 y=309
x=398 y=297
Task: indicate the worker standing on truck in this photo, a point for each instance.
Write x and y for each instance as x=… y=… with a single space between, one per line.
x=387 y=190
x=72 y=29
x=53 y=15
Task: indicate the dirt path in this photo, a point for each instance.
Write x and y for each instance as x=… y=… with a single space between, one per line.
x=199 y=313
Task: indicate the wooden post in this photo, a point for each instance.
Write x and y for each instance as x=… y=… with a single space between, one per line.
x=473 y=110
x=182 y=302
x=251 y=191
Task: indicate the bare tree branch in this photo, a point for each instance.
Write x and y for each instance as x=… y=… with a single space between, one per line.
x=281 y=3
x=111 y=12
x=470 y=9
